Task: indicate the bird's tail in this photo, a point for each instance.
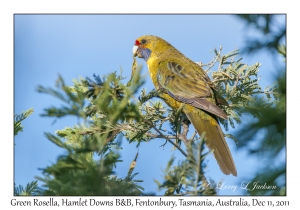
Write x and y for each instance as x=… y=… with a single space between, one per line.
x=214 y=140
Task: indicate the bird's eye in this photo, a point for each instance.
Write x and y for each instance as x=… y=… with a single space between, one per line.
x=143 y=41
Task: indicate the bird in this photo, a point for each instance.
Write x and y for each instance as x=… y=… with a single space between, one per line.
x=187 y=85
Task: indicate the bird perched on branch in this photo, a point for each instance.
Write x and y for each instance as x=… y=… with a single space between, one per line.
x=185 y=82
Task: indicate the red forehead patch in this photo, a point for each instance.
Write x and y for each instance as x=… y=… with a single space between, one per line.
x=137 y=42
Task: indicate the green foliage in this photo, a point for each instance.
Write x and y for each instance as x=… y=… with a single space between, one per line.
x=109 y=109
x=31 y=187
x=239 y=84
x=272 y=124
x=271 y=120
x=74 y=102
x=29 y=190
x=78 y=173
x=19 y=118
x=187 y=178
x=92 y=146
x=282 y=50
x=271 y=34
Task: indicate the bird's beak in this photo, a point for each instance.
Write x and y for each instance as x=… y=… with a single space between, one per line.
x=135 y=50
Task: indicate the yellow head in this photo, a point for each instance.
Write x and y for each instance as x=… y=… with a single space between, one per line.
x=150 y=46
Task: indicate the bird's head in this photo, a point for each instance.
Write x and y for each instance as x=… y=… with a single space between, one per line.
x=149 y=46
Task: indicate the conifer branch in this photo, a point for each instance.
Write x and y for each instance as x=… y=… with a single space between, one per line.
x=165 y=137
x=113 y=108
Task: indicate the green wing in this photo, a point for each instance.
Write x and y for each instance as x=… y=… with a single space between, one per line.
x=188 y=85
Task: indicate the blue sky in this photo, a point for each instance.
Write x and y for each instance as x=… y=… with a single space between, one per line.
x=46 y=46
